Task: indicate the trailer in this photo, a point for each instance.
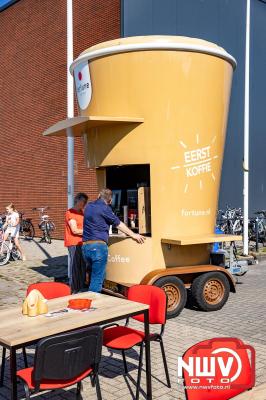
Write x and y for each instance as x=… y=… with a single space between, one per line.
x=153 y=114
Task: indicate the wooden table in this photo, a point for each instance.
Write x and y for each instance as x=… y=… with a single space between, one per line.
x=17 y=330
x=257 y=393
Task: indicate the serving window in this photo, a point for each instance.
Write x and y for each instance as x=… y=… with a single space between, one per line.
x=130 y=185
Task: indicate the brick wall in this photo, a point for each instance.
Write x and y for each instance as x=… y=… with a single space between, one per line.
x=33 y=96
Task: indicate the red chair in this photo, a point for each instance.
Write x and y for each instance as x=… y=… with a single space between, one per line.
x=49 y=290
x=123 y=337
x=206 y=392
x=64 y=360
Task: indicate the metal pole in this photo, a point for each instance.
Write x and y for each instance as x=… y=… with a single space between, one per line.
x=257 y=233
x=246 y=132
x=70 y=107
x=70 y=114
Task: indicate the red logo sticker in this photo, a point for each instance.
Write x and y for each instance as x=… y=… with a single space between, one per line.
x=215 y=368
x=80 y=75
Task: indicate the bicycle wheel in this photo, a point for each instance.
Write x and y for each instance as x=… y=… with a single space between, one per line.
x=4 y=254
x=237 y=228
x=251 y=234
x=27 y=230
x=48 y=238
x=15 y=254
x=261 y=228
x=46 y=233
x=51 y=226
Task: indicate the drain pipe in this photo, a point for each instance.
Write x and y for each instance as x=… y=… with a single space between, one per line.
x=70 y=107
x=70 y=114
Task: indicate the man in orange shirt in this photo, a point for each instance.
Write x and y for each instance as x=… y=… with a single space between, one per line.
x=73 y=241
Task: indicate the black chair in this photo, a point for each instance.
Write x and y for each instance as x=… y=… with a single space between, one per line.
x=64 y=360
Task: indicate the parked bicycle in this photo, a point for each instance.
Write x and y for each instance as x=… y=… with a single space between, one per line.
x=257 y=227
x=8 y=249
x=27 y=230
x=230 y=221
x=46 y=225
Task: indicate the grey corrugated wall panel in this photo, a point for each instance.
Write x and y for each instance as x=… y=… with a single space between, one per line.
x=222 y=22
x=258 y=107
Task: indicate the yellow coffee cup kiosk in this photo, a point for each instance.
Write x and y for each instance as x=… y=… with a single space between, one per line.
x=153 y=114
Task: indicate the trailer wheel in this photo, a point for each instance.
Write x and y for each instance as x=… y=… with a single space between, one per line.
x=210 y=291
x=176 y=294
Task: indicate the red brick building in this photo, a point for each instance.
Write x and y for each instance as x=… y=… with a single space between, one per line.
x=33 y=97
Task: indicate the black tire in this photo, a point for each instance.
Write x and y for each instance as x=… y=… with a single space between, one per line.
x=48 y=238
x=27 y=230
x=4 y=254
x=51 y=226
x=176 y=294
x=15 y=254
x=210 y=291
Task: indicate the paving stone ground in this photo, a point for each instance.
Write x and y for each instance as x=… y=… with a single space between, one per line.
x=243 y=317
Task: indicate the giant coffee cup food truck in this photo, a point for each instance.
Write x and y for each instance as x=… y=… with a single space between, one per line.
x=153 y=114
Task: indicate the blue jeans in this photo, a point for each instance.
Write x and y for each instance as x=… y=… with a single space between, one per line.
x=96 y=255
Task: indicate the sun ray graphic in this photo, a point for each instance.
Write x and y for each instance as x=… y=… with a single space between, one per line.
x=200 y=184
x=183 y=144
x=213 y=176
x=197 y=138
x=186 y=188
x=213 y=139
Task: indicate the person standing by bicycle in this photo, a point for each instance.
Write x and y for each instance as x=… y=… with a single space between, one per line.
x=12 y=227
x=73 y=241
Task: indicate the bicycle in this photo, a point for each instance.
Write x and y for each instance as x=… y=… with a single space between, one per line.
x=8 y=249
x=257 y=228
x=45 y=225
x=27 y=230
x=230 y=221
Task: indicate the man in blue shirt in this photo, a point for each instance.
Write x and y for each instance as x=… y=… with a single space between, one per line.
x=98 y=216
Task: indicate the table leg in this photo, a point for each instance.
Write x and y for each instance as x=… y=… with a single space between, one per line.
x=3 y=366
x=13 y=374
x=148 y=355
